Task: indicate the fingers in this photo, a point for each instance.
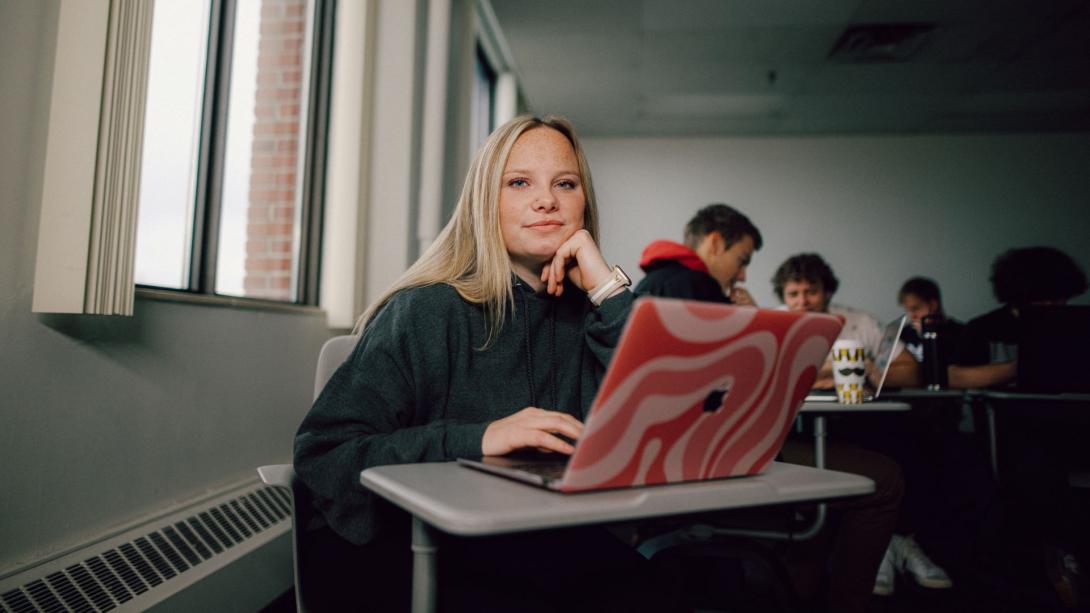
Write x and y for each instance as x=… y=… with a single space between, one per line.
x=533 y=428
x=741 y=297
x=558 y=268
x=580 y=260
x=548 y=442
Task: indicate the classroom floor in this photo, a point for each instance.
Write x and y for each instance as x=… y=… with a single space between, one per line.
x=1028 y=596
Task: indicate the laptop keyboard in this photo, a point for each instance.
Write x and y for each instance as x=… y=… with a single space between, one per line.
x=547 y=470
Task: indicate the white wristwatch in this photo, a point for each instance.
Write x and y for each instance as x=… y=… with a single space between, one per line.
x=617 y=279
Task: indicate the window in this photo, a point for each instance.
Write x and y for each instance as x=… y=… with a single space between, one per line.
x=484 y=79
x=234 y=147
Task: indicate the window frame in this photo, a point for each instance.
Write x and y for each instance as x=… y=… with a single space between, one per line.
x=203 y=255
x=483 y=64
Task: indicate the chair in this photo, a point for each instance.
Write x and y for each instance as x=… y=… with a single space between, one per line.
x=334 y=352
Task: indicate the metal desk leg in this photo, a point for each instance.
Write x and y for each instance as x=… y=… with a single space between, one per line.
x=425 y=568
x=992 y=441
x=819 y=441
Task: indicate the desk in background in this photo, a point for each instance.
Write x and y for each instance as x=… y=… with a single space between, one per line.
x=988 y=398
x=465 y=502
x=899 y=401
x=820 y=410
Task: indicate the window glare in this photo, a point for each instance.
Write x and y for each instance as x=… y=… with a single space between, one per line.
x=171 y=129
x=260 y=216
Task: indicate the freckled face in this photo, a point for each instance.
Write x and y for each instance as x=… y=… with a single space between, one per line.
x=806 y=296
x=541 y=198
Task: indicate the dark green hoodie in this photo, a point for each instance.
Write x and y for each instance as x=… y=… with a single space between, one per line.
x=418 y=388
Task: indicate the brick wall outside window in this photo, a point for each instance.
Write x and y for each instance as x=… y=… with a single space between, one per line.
x=272 y=214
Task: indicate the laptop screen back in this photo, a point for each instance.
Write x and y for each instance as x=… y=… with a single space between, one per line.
x=887 y=348
x=698 y=390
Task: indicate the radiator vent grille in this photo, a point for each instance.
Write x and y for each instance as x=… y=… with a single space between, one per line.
x=121 y=573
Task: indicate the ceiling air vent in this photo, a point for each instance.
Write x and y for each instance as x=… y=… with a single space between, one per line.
x=881 y=42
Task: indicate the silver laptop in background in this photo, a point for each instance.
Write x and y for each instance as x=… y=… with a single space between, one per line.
x=891 y=338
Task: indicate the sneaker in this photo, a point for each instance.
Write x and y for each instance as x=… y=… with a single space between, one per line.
x=1063 y=572
x=916 y=563
x=883 y=583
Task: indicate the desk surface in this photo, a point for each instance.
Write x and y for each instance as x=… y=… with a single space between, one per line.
x=1013 y=395
x=918 y=393
x=866 y=407
x=467 y=502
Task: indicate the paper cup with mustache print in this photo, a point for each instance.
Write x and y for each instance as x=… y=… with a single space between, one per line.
x=849 y=371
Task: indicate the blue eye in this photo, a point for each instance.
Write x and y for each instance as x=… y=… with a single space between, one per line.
x=566 y=184
x=518 y=183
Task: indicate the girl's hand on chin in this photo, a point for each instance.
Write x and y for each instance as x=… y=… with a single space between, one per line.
x=579 y=259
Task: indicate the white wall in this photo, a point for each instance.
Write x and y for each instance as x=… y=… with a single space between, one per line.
x=879 y=209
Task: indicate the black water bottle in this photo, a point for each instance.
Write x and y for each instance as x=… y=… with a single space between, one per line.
x=933 y=368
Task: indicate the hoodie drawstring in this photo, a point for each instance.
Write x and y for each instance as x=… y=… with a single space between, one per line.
x=530 y=352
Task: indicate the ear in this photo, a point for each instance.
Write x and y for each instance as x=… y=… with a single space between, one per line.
x=715 y=241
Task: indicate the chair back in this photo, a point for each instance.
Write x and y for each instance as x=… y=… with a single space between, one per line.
x=334 y=352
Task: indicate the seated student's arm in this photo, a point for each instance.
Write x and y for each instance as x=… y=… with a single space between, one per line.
x=904 y=371
x=970 y=367
x=375 y=409
x=985 y=375
x=824 y=380
x=604 y=324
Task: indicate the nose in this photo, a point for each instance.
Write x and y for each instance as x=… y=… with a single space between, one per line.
x=545 y=200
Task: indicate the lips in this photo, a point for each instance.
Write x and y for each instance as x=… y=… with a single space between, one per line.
x=545 y=224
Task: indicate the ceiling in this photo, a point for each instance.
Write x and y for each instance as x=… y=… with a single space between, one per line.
x=764 y=67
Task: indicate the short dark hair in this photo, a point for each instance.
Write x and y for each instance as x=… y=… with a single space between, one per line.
x=924 y=288
x=726 y=220
x=809 y=267
x=1032 y=274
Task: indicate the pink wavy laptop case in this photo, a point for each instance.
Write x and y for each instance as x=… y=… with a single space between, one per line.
x=680 y=354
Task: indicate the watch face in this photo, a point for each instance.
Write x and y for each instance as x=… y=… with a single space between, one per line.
x=623 y=278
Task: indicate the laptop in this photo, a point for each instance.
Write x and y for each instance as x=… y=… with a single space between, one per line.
x=887 y=347
x=1052 y=349
x=694 y=391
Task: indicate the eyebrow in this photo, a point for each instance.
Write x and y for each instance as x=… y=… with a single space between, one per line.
x=523 y=171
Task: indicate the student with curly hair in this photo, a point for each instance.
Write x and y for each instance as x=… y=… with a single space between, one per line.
x=1038 y=443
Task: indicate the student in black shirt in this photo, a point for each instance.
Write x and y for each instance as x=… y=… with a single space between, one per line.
x=922 y=302
x=1037 y=443
x=987 y=356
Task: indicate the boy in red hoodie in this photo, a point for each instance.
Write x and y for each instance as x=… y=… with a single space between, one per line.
x=719 y=243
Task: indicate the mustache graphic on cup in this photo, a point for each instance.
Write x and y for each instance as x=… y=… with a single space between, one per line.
x=849 y=370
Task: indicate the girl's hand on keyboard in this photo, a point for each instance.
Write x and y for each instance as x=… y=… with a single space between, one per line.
x=531 y=428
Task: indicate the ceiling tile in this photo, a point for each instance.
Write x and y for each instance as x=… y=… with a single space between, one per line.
x=718 y=14
x=658 y=76
x=764 y=45
x=895 y=78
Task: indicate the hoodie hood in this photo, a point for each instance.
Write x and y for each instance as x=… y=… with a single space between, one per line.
x=660 y=252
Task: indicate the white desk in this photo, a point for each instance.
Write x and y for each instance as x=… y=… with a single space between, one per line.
x=466 y=502
x=821 y=409
x=988 y=398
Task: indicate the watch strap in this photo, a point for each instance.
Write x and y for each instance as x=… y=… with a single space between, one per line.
x=616 y=280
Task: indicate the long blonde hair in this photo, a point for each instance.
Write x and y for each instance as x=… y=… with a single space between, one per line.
x=469 y=254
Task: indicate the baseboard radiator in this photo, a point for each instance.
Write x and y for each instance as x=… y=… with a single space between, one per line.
x=145 y=564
